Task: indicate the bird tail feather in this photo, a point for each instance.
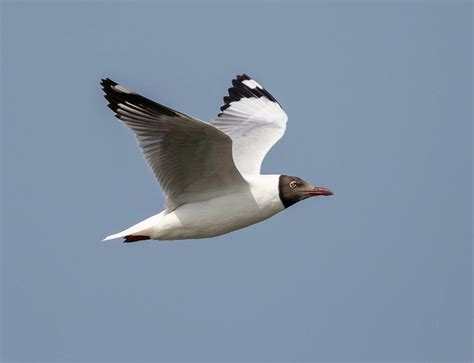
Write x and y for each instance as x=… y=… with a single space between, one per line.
x=137 y=232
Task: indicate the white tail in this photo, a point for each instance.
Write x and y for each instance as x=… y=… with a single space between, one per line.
x=144 y=228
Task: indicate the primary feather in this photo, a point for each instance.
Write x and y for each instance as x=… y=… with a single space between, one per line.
x=191 y=159
x=254 y=120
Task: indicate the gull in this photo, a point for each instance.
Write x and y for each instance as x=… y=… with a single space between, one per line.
x=209 y=172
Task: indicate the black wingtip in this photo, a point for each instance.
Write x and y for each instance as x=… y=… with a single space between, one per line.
x=242 y=77
x=107 y=83
x=241 y=90
x=116 y=94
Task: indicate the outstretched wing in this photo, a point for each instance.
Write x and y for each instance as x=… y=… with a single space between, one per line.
x=191 y=160
x=253 y=119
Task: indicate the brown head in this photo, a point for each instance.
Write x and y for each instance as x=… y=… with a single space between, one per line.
x=293 y=189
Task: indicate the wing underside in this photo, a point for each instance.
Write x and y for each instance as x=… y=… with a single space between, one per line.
x=254 y=120
x=192 y=160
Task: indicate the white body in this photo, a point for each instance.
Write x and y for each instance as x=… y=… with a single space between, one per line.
x=209 y=173
x=215 y=216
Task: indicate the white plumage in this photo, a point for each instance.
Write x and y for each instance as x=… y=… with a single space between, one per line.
x=209 y=173
x=255 y=125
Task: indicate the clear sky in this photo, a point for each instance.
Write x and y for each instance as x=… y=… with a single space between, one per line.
x=378 y=96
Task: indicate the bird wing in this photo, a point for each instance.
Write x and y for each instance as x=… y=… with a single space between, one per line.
x=191 y=160
x=253 y=119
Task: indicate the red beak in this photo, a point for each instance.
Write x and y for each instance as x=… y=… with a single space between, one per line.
x=319 y=191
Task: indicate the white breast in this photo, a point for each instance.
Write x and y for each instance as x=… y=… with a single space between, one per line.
x=224 y=214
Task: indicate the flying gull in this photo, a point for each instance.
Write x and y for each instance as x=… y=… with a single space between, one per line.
x=209 y=173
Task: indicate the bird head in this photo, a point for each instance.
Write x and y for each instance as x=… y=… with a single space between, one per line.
x=293 y=189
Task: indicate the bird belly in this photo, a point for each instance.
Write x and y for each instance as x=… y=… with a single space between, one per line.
x=215 y=217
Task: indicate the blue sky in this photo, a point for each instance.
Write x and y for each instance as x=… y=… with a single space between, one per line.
x=379 y=101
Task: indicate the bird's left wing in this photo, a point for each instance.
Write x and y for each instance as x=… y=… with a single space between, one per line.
x=192 y=160
x=254 y=120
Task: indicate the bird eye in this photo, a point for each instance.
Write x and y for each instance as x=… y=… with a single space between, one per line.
x=293 y=184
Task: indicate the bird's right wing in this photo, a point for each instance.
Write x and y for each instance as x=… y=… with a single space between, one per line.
x=191 y=160
x=253 y=119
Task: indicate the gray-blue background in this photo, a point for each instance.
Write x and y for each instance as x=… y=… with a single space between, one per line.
x=379 y=103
